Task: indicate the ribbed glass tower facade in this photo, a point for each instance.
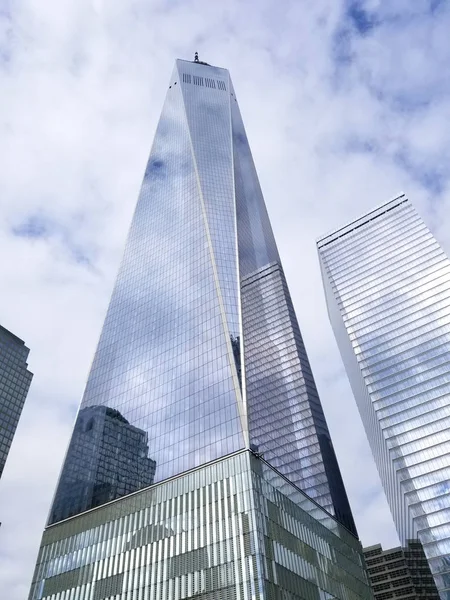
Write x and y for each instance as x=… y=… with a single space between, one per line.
x=200 y=360
x=387 y=285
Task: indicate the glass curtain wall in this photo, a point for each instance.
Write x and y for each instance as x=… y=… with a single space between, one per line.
x=387 y=284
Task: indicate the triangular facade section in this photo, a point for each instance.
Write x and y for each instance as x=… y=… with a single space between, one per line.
x=163 y=387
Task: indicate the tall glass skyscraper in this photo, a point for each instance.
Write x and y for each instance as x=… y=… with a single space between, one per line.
x=200 y=395
x=387 y=285
x=15 y=380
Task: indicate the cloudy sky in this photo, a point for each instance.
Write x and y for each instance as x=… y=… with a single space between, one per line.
x=346 y=105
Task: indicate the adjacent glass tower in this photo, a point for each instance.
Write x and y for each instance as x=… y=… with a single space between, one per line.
x=200 y=381
x=387 y=285
x=15 y=380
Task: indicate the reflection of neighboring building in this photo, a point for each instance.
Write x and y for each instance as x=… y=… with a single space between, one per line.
x=233 y=530
x=400 y=573
x=236 y=347
x=15 y=380
x=107 y=458
x=201 y=341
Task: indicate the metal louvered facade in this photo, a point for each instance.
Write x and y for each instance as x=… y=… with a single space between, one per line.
x=15 y=381
x=231 y=530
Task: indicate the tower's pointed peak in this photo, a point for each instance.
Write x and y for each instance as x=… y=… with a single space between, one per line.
x=199 y=62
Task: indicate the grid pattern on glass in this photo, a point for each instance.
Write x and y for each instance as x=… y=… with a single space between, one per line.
x=15 y=380
x=168 y=389
x=286 y=421
x=256 y=243
x=212 y=147
x=285 y=417
x=231 y=530
x=165 y=361
x=387 y=283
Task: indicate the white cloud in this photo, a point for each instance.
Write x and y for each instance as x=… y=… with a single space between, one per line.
x=338 y=122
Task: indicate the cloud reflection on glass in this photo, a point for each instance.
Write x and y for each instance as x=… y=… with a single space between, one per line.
x=387 y=283
x=201 y=350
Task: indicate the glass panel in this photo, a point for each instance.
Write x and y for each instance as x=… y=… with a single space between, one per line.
x=162 y=395
x=391 y=319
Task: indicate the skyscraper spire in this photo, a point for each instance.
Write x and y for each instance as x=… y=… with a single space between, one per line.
x=200 y=360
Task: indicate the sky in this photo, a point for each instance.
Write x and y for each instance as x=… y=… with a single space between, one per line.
x=346 y=105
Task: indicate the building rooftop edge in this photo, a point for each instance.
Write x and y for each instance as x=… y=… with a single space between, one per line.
x=383 y=550
x=199 y=467
x=201 y=63
x=17 y=338
x=367 y=548
x=333 y=232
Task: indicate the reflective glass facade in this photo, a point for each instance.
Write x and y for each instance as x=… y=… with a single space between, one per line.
x=200 y=354
x=387 y=283
x=15 y=380
x=231 y=530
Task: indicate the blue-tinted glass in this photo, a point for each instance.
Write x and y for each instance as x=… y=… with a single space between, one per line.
x=15 y=380
x=285 y=416
x=200 y=354
x=165 y=364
